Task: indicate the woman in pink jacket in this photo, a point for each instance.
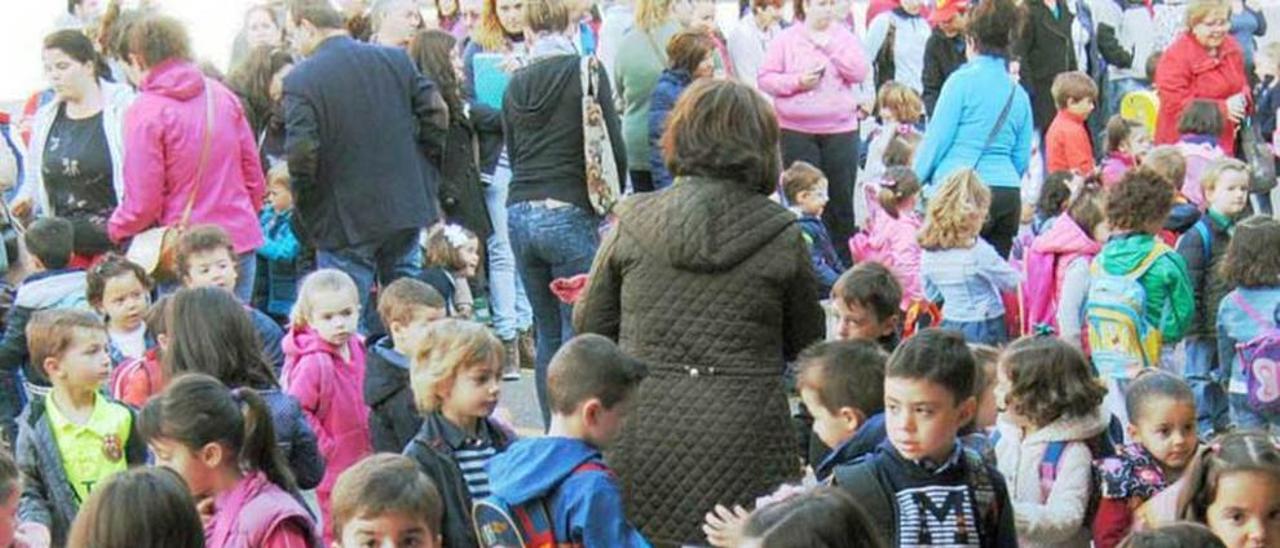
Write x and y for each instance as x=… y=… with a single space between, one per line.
x=810 y=70
x=164 y=133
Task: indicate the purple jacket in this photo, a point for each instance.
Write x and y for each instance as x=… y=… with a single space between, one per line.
x=255 y=513
x=831 y=106
x=164 y=134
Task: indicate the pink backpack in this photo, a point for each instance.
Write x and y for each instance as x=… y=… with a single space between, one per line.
x=1039 y=291
x=1198 y=159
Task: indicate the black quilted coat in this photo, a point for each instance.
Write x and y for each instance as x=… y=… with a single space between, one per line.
x=710 y=284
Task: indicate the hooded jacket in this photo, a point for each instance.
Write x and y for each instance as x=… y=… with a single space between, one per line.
x=164 y=137
x=863 y=443
x=670 y=85
x=830 y=106
x=1051 y=257
x=1187 y=72
x=1170 y=300
x=1055 y=518
x=822 y=254
x=585 y=507
x=714 y=283
x=393 y=417
x=1203 y=268
x=891 y=241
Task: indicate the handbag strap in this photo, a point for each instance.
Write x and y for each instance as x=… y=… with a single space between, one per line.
x=204 y=156
x=662 y=54
x=995 y=130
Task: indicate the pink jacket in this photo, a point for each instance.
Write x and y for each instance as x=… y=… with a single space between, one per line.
x=892 y=242
x=164 y=135
x=1046 y=268
x=1114 y=166
x=832 y=106
x=1199 y=156
x=258 y=513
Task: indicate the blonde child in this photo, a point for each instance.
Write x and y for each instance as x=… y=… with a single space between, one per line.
x=1052 y=403
x=1162 y=430
x=324 y=370
x=1127 y=142
x=221 y=441
x=1233 y=487
x=960 y=269
x=900 y=109
x=890 y=234
x=1252 y=266
x=456 y=378
x=121 y=292
x=278 y=256
x=452 y=254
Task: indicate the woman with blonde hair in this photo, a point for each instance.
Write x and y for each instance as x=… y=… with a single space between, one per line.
x=1203 y=63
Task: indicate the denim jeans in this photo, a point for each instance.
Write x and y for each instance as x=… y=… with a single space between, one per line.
x=511 y=311
x=992 y=332
x=1207 y=382
x=551 y=240
x=381 y=263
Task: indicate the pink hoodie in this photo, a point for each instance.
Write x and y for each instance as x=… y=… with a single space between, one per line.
x=1046 y=263
x=831 y=106
x=892 y=242
x=259 y=513
x=163 y=138
x=331 y=394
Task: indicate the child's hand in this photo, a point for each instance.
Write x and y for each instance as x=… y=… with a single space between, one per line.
x=724 y=526
x=32 y=535
x=206 y=510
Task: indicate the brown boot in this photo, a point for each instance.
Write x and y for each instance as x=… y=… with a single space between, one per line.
x=510 y=360
x=528 y=356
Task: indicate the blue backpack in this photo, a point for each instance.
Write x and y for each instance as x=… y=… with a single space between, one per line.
x=1121 y=339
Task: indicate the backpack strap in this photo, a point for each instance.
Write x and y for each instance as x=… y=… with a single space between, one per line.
x=863 y=478
x=1049 y=467
x=984 y=493
x=1250 y=311
x=1206 y=238
x=1157 y=250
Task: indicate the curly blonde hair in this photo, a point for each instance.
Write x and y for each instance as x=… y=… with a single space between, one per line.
x=956 y=212
x=450 y=347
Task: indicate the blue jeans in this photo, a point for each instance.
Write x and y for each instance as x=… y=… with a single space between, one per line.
x=511 y=311
x=1207 y=383
x=551 y=240
x=381 y=263
x=1244 y=416
x=989 y=332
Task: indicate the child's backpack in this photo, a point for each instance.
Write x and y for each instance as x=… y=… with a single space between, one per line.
x=502 y=525
x=1100 y=446
x=1260 y=360
x=1121 y=339
x=120 y=376
x=921 y=314
x=1039 y=294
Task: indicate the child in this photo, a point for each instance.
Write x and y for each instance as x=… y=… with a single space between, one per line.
x=1055 y=193
x=135 y=381
x=452 y=259
x=1162 y=427
x=456 y=383
x=73 y=438
x=1252 y=266
x=866 y=300
x=900 y=111
x=1136 y=209
x=1200 y=124
x=589 y=384
x=1169 y=164
x=385 y=500
x=1174 y=536
x=223 y=445
x=1235 y=489
x=1057 y=267
x=1052 y=402
x=121 y=292
x=928 y=396
x=140 y=508
x=12 y=533
x=211 y=334
x=206 y=257
x=278 y=257
x=961 y=269
x=805 y=188
x=890 y=235
x=407 y=307
x=324 y=370
x=1127 y=142
x=842 y=385
x=977 y=434
x=816 y=518
x=1226 y=187
x=51 y=285
x=1068 y=144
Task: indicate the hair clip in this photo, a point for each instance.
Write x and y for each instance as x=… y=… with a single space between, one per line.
x=454 y=235
x=905 y=129
x=888 y=183
x=1044 y=330
x=1215 y=447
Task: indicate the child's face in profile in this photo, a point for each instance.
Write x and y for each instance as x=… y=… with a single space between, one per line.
x=604 y=425
x=469 y=256
x=334 y=315
x=1245 y=511
x=389 y=530
x=281 y=197
x=854 y=321
x=832 y=428
x=125 y=301
x=922 y=418
x=814 y=200
x=474 y=392
x=1138 y=143
x=85 y=364
x=197 y=468
x=408 y=335
x=1166 y=427
x=1231 y=194
x=212 y=268
x=1080 y=107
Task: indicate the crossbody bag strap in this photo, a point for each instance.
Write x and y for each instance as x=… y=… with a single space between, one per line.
x=204 y=156
x=1250 y=311
x=662 y=54
x=995 y=130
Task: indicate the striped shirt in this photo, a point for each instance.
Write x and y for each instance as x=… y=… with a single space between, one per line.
x=472 y=458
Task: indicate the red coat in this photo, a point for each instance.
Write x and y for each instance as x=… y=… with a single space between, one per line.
x=1187 y=72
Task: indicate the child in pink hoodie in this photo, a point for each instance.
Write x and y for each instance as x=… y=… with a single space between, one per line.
x=892 y=224
x=324 y=370
x=219 y=440
x=1127 y=141
x=1057 y=266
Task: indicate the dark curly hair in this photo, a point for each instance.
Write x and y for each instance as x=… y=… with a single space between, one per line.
x=1252 y=260
x=1140 y=199
x=1050 y=380
x=993 y=26
x=724 y=129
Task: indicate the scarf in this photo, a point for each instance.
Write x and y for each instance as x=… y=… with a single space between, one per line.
x=552 y=45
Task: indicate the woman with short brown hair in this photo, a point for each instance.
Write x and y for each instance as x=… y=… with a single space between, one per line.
x=690 y=56
x=714 y=281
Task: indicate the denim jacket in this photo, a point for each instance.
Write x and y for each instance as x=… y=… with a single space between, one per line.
x=968 y=281
x=1235 y=326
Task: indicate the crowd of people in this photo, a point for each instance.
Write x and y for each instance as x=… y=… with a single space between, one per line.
x=990 y=273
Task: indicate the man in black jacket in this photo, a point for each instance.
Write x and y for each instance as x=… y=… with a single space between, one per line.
x=364 y=134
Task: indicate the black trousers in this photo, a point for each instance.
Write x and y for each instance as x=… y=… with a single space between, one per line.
x=1003 y=219
x=837 y=156
x=641 y=181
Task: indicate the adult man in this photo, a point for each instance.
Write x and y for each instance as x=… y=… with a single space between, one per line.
x=364 y=130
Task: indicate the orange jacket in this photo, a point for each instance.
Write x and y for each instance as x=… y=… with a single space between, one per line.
x=1068 y=146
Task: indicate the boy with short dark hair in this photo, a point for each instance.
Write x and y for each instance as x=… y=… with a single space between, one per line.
x=385 y=499
x=1068 y=144
x=590 y=383
x=406 y=307
x=923 y=484
x=868 y=301
x=805 y=188
x=842 y=385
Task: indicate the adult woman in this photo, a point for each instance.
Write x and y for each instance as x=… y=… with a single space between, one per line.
x=713 y=281
x=641 y=59
x=691 y=55
x=262 y=28
x=909 y=31
x=1206 y=63
x=553 y=225
x=77 y=149
x=983 y=121
x=394 y=22
x=501 y=31
x=811 y=70
x=259 y=82
x=165 y=131
x=751 y=36
x=1046 y=50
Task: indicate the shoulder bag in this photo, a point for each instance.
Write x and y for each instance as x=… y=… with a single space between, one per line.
x=603 y=179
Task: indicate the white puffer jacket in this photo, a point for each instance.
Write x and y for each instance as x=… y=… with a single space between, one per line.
x=1057 y=520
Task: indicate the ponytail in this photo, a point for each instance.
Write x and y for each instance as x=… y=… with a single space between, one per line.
x=259 y=450
x=898 y=185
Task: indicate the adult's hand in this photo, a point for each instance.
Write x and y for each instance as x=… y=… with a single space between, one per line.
x=810 y=79
x=20 y=207
x=1236 y=105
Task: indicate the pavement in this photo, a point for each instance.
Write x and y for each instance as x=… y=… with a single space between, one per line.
x=518 y=405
